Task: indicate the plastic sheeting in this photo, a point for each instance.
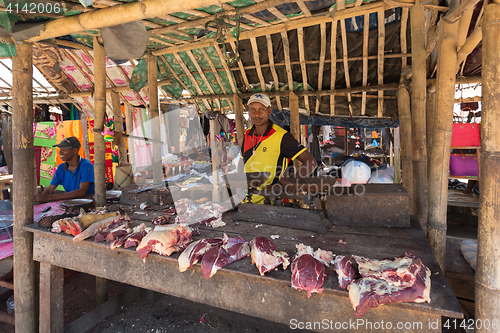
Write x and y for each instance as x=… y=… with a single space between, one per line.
x=282 y=118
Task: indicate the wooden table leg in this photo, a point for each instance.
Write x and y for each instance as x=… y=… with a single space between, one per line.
x=101 y=287
x=51 y=298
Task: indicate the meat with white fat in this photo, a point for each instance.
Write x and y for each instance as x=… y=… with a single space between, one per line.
x=265 y=256
x=165 y=240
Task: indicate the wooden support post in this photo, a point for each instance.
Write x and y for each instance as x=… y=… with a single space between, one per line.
x=488 y=261
x=85 y=134
x=406 y=143
x=430 y=111
x=7 y=140
x=418 y=97
x=441 y=139
x=101 y=288
x=23 y=156
x=130 y=125
x=118 y=119
x=240 y=121
x=293 y=104
x=215 y=162
x=51 y=298
x=154 y=112
x=397 y=156
x=100 y=113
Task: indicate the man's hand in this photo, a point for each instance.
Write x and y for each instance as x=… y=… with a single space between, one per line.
x=41 y=197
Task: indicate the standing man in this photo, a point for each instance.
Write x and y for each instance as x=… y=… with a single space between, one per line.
x=76 y=174
x=269 y=148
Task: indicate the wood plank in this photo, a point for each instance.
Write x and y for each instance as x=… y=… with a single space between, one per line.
x=255 y=52
x=270 y=56
x=454 y=260
x=403 y=31
x=366 y=32
x=51 y=298
x=242 y=69
x=278 y=14
x=462 y=285
x=7 y=318
x=321 y=63
x=226 y=68
x=303 y=67
x=174 y=74
x=380 y=61
x=333 y=67
x=340 y=4
x=128 y=261
x=346 y=64
x=92 y=318
x=256 y=20
x=191 y=78
x=300 y=219
x=286 y=50
x=303 y=8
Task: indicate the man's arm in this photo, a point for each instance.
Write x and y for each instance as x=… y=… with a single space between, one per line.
x=308 y=165
x=76 y=194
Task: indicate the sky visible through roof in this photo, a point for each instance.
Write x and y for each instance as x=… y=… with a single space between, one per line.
x=6 y=76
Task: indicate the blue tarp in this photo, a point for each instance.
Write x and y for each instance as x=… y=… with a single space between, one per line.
x=282 y=118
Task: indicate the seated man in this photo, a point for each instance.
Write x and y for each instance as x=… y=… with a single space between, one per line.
x=269 y=148
x=76 y=175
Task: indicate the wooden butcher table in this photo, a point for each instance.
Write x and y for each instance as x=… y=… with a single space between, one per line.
x=239 y=287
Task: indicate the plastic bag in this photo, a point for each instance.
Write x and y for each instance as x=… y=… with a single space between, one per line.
x=10 y=304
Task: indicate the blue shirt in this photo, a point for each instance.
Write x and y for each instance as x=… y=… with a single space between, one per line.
x=84 y=172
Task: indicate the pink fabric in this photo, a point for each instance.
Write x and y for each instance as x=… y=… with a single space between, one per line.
x=37 y=210
x=6 y=249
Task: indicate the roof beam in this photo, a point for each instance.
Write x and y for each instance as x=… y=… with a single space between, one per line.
x=333 y=65
x=321 y=63
x=303 y=67
x=270 y=56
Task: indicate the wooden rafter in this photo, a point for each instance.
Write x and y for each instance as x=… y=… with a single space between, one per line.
x=404 y=22
x=380 y=61
x=286 y=50
x=340 y=4
x=256 y=20
x=191 y=77
x=226 y=68
x=333 y=70
x=174 y=73
x=366 y=32
x=270 y=56
x=304 y=8
x=278 y=14
x=346 y=64
x=300 y=37
x=242 y=69
x=255 y=51
x=321 y=63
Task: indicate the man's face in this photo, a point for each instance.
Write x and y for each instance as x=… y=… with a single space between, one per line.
x=259 y=114
x=67 y=153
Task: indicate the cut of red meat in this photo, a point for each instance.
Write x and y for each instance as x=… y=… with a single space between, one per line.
x=130 y=232
x=135 y=238
x=345 y=271
x=121 y=231
x=308 y=274
x=195 y=251
x=401 y=279
x=165 y=240
x=265 y=256
x=215 y=258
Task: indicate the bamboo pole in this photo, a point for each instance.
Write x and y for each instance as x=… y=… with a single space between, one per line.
x=99 y=147
x=397 y=156
x=430 y=110
x=286 y=51
x=366 y=32
x=256 y=60
x=154 y=113
x=7 y=140
x=240 y=65
x=240 y=125
x=406 y=142
x=293 y=104
x=85 y=134
x=303 y=67
x=346 y=64
x=454 y=15
x=23 y=159
x=270 y=56
x=418 y=112
x=333 y=67
x=488 y=262
x=380 y=61
x=321 y=67
x=118 y=119
x=130 y=125
x=441 y=139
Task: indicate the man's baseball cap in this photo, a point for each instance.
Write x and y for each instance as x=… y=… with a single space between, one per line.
x=261 y=98
x=70 y=142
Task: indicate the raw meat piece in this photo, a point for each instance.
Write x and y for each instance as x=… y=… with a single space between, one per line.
x=106 y=224
x=165 y=240
x=308 y=274
x=195 y=252
x=162 y=219
x=265 y=256
x=232 y=249
x=136 y=237
x=114 y=229
x=214 y=222
x=400 y=271
x=401 y=279
x=119 y=241
x=308 y=269
x=345 y=271
x=367 y=293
